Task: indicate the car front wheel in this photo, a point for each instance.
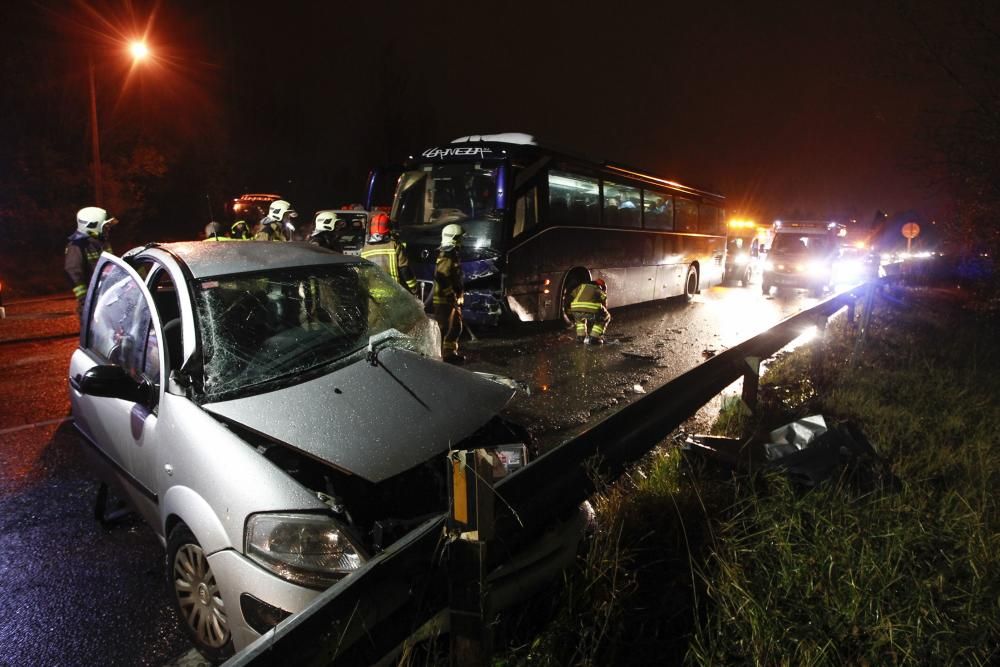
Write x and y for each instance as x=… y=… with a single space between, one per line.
x=197 y=597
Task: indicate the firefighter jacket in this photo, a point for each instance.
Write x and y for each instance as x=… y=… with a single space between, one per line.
x=588 y=298
x=448 y=278
x=326 y=240
x=390 y=255
x=82 y=253
x=270 y=230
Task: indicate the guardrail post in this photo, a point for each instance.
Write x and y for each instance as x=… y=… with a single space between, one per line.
x=819 y=347
x=751 y=381
x=472 y=519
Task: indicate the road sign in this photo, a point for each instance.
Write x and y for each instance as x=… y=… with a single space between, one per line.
x=911 y=230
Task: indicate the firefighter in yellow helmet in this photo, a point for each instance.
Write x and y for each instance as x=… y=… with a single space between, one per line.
x=589 y=308
x=384 y=248
x=84 y=248
x=448 y=292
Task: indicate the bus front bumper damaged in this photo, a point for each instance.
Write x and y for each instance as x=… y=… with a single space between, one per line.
x=482 y=306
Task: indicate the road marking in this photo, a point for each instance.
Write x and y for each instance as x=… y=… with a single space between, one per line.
x=47 y=422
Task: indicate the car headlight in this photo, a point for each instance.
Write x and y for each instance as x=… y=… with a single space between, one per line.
x=818 y=266
x=769 y=265
x=307 y=549
x=741 y=258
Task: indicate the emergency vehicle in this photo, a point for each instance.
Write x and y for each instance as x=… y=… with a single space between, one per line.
x=801 y=255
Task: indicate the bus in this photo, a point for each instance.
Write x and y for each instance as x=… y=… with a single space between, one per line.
x=539 y=222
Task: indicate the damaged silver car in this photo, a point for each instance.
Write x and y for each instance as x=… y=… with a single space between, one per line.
x=277 y=413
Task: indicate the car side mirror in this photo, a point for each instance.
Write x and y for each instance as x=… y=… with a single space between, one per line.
x=110 y=381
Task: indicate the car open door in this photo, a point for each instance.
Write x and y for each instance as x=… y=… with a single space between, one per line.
x=114 y=375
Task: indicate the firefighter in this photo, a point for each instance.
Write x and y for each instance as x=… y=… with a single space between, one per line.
x=240 y=231
x=448 y=295
x=326 y=230
x=384 y=248
x=84 y=248
x=278 y=219
x=589 y=308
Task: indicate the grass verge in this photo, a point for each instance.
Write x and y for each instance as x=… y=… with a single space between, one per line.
x=691 y=566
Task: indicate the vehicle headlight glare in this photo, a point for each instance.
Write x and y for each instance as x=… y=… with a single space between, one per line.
x=741 y=258
x=307 y=549
x=769 y=266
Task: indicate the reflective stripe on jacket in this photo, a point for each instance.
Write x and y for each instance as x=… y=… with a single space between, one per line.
x=588 y=298
x=82 y=253
x=391 y=256
x=447 y=278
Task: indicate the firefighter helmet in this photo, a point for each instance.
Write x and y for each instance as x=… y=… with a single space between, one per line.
x=451 y=235
x=378 y=230
x=279 y=209
x=91 y=220
x=600 y=283
x=325 y=222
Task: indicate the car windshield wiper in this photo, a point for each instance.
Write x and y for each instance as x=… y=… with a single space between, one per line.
x=384 y=339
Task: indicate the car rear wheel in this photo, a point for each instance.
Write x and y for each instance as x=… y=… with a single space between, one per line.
x=196 y=596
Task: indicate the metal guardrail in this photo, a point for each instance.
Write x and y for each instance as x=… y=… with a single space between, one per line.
x=373 y=610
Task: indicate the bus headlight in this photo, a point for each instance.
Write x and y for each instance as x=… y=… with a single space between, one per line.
x=307 y=549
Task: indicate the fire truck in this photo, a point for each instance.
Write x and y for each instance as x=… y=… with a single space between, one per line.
x=801 y=255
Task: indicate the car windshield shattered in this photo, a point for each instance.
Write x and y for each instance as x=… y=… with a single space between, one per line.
x=269 y=329
x=444 y=193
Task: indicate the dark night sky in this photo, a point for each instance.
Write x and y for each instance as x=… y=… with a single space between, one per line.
x=813 y=108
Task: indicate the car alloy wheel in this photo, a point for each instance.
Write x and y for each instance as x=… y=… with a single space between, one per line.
x=196 y=593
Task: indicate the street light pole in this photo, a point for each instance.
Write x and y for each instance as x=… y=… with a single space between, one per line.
x=95 y=137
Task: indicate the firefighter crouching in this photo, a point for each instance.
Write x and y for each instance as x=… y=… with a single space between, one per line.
x=589 y=307
x=84 y=248
x=384 y=248
x=448 y=292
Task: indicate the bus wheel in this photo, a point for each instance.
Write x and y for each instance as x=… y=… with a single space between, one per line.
x=691 y=283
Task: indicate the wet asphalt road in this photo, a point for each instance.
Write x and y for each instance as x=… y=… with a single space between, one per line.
x=74 y=593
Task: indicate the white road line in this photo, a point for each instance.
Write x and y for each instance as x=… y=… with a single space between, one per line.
x=47 y=422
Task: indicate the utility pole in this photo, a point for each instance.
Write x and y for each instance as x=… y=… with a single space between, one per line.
x=95 y=137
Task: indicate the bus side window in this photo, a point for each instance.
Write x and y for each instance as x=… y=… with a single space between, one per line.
x=657 y=210
x=525 y=211
x=573 y=200
x=710 y=219
x=621 y=205
x=687 y=215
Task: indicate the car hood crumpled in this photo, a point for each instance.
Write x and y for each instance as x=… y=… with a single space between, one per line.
x=374 y=421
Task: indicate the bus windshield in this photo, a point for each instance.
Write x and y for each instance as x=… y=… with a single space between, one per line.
x=443 y=193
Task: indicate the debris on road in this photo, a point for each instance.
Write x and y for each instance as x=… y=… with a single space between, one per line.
x=806 y=450
x=641 y=356
x=637 y=388
x=708 y=353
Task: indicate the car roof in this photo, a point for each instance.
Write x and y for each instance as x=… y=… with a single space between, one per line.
x=207 y=259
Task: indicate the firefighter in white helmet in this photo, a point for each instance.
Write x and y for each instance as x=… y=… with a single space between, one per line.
x=277 y=225
x=84 y=248
x=448 y=294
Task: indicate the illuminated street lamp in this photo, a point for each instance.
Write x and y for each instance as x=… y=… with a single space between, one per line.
x=139 y=52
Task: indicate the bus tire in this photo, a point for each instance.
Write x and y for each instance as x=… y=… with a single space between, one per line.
x=691 y=283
